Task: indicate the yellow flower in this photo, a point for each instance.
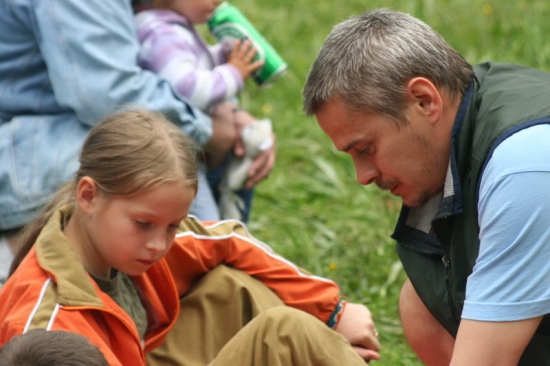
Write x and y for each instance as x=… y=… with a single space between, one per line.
x=267 y=108
x=332 y=266
x=488 y=9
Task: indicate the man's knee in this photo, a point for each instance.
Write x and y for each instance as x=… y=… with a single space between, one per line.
x=426 y=336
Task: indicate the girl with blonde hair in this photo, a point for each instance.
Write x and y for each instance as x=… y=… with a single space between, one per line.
x=115 y=257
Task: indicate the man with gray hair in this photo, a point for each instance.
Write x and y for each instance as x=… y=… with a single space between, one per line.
x=466 y=149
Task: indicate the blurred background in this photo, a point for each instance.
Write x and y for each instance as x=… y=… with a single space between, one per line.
x=311 y=209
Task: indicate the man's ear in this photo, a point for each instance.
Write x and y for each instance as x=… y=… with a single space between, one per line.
x=86 y=194
x=425 y=98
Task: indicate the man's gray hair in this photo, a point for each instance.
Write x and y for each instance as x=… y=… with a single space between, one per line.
x=367 y=60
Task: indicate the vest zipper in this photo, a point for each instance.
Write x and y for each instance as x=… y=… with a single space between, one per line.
x=449 y=282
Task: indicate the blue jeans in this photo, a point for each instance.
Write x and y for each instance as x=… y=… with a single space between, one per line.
x=205 y=205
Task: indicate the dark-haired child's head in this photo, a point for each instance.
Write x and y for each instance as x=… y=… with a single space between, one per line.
x=39 y=347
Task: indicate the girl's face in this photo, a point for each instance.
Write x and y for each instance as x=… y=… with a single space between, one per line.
x=195 y=11
x=130 y=234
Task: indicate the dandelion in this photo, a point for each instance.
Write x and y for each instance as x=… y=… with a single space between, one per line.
x=267 y=109
x=488 y=9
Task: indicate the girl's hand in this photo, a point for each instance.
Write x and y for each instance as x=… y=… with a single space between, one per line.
x=241 y=57
x=357 y=326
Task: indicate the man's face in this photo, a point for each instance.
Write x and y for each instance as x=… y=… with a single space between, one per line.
x=408 y=160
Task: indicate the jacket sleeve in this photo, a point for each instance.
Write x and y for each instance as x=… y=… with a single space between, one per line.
x=91 y=51
x=201 y=247
x=176 y=59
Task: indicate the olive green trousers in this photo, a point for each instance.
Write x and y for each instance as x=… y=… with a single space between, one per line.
x=231 y=319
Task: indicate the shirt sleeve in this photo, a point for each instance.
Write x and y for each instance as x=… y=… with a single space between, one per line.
x=178 y=55
x=91 y=50
x=510 y=278
x=202 y=247
x=217 y=53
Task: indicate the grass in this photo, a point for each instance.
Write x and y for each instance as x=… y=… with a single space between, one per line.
x=311 y=209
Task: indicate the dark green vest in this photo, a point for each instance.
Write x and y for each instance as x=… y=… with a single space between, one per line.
x=438 y=250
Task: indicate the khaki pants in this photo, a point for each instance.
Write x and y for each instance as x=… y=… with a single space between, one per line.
x=231 y=319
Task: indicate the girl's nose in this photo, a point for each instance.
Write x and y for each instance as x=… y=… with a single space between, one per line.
x=157 y=243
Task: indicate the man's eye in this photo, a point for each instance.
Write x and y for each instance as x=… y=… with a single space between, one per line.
x=366 y=150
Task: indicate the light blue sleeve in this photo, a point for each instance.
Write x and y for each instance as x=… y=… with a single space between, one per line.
x=91 y=51
x=511 y=278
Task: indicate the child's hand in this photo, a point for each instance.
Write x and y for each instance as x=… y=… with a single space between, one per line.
x=241 y=57
x=357 y=326
x=264 y=162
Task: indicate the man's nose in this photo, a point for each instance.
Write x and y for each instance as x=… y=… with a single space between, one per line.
x=366 y=171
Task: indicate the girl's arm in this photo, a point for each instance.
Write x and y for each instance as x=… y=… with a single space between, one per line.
x=199 y=248
x=171 y=51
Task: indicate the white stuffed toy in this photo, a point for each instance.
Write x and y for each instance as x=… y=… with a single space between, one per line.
x=256 y=138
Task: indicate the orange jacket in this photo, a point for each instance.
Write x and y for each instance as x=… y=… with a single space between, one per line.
x=52 y=290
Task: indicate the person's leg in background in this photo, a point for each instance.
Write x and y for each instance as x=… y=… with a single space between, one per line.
x=204 y=206
x=214 y=178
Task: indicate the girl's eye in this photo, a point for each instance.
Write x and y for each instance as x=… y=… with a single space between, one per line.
x=171 y=231
x=143 y=224
x=173 y=227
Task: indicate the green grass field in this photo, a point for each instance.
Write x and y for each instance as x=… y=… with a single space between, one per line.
x=311 y=209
